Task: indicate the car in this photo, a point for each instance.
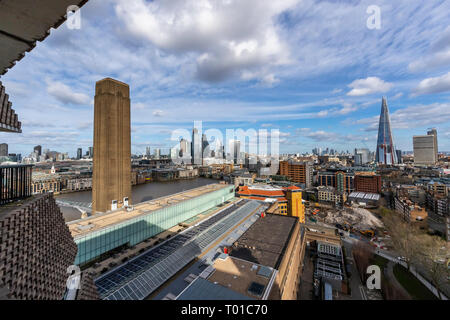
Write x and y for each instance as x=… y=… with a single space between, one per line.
x=401 y=259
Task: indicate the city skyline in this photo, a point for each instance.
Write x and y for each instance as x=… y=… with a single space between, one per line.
x=336 y=103
x=227 y=150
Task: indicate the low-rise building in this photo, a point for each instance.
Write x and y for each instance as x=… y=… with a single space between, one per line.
x=331 y=195
x=44 y=182
x=409 y=211
x=364 y=198
x=286 y=200
x=438 y=204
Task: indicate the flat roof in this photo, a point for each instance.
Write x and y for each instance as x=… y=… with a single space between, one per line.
x=102 y=220
x=265 y=241
x=201 y=289
x=238 y=275
x=365 y=196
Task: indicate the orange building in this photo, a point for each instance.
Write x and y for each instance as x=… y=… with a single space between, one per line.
x=288 y=200
x=299 y=172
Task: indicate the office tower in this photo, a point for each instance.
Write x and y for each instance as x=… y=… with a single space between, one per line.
x=399 y=156
x=157 y=153
x=235 y=150
x=385 y=144
x=184 y=148
x=299 y=172
x=3 y=150
x=433 y=132
x=196 y=147
x=218 y=149
x=362 y=156
x=174 y=152
x=79 y=153
x=147 y=152
x=111 y=182
x=425 y=152
x=38 y=150
x=367 y=182
x=91 y=152
x=205 y=146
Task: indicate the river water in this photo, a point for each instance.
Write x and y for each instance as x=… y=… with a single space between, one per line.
x=140 y=193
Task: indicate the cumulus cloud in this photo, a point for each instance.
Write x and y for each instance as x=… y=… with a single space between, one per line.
x=370 y=85
x=66 y=95
x=433 y=85
x=226 y=37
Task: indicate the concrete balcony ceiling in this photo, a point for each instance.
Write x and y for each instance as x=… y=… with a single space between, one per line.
x=24 y=22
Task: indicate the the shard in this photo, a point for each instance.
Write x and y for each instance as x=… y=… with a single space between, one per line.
x=385 y=144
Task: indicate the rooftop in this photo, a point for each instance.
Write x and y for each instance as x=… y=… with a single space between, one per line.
x=202 y=289
x=365 y=196
x=238 y=275
x=265 y=241
x=103 y=220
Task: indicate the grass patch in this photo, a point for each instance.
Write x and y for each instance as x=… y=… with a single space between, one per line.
x=411 y=284
x=380 y=261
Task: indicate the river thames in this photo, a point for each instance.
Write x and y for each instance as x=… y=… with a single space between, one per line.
x=140 y=193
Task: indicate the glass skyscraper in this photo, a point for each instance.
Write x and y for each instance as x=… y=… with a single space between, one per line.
x=385 y=144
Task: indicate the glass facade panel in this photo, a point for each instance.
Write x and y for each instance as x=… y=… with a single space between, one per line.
x=136 y=230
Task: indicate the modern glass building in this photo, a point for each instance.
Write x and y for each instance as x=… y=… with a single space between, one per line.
x=385 y=144
x=132 y=231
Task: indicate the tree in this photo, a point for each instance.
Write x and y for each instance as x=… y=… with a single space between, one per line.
x=363 y=255
x=434 y=257
x=404 y=237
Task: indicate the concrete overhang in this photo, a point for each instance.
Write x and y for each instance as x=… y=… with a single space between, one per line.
x=24 y=22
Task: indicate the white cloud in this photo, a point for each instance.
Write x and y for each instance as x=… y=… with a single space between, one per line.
x=433 y=85
x=158 y=113
x=322 y=135
x=226 y=37
x=346 y=109
x=370 y=85
x=64 y=94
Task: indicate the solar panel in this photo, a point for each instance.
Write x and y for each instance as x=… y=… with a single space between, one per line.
x=145 y=273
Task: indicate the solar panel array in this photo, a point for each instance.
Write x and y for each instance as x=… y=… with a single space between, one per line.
x=141 y=276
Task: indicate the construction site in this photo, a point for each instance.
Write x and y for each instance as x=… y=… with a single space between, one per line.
x=353 y=220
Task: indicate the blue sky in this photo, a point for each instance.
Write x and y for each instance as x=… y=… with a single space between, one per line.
x=312 y=69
